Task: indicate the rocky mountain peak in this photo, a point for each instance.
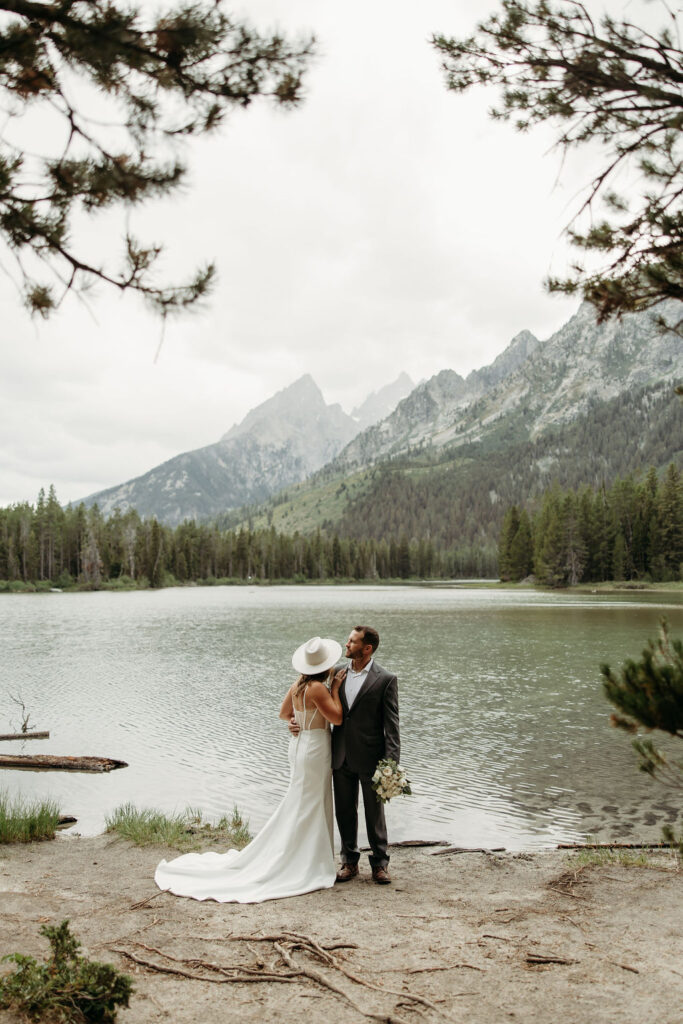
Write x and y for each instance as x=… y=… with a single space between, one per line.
x=380 y=403
x=291 y=405
x=279 y=443
x=522 y=346
x=530 y=386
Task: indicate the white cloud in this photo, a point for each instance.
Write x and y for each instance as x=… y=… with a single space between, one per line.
x=385 y=225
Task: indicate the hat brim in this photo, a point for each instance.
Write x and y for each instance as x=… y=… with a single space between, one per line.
x=301 y=663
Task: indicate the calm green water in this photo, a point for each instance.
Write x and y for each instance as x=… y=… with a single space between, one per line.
x=505 y=731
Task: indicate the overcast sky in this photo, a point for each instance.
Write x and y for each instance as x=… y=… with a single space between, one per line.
x=385 y=225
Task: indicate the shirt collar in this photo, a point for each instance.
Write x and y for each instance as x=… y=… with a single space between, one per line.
x=364 y=670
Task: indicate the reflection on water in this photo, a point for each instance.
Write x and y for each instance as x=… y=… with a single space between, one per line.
x=504 y=727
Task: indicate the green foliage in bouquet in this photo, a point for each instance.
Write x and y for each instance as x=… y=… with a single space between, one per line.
x=390 y=780
x=66 y=988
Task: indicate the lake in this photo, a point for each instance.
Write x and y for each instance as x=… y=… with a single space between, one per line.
x=505 y=732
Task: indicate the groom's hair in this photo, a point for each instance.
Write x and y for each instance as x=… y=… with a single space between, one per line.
x=369 y=635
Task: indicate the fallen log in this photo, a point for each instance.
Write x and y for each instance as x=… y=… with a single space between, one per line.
x=66 y=820
x=24 y=736
x=467 y=849
x=59 y=763
x=420 y=842
x=413 y=843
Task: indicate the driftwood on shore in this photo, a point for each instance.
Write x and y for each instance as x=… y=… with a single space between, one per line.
x=412 y=842
x=468 y=849
x=24 y=736
x=59 y=763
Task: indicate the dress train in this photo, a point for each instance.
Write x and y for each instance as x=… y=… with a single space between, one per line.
x=293 y=852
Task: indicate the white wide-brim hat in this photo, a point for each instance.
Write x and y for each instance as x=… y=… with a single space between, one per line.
x=315 y=656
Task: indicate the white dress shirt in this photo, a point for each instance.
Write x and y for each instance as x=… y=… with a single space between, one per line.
x=354 y=681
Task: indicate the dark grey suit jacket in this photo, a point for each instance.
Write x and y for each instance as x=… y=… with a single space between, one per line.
x=370 y=730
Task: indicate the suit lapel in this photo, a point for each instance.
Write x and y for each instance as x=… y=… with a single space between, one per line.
x=342 y=697
x=342 y=693
x=369 y=680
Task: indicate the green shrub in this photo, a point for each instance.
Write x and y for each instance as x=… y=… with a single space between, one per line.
x=66 y=988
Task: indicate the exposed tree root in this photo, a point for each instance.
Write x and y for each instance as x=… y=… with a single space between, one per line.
x=547 y=958
x=566 y=892
x=316 y=976
x=287 y=970
x=143 y=903
x=445 y=967
x=624 y=967
x=225 y=976
x=306 y=943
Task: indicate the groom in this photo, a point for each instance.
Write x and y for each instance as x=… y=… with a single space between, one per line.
x=368 y=733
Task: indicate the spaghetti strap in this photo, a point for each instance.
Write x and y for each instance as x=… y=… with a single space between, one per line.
x=306 y=717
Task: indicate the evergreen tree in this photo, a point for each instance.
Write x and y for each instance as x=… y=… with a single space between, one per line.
x=403 y=558
x=159 y=79
x=550 y=556
x=156 y=557
x=54 y=525
x=603 y=545
x=619 y=559
x=507 y=535
x=610 y=82
x=522 y=549
x=671 y=522
x=574 y=546
x=587 y=530
x=336 y=556
x=646 y=512
x=90 y=560
x=649 y=693
x=40 y=526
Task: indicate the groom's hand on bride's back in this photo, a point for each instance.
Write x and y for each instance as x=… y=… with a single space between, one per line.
x=293 y=726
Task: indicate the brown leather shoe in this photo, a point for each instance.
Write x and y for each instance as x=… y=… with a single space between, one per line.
x=381 y=876
x=347 y=872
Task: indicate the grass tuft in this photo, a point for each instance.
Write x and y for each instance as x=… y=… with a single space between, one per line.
x=626 y=858
x=186 y=831
x=24 y=820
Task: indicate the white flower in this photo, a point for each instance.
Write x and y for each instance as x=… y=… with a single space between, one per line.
x=387 y=771
x=376 y=776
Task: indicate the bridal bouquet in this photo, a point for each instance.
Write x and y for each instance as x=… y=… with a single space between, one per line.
x=390 y=780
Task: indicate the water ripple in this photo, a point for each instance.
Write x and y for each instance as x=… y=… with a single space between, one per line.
x=504 y=726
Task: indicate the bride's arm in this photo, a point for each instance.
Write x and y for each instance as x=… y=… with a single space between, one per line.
x=287 y=708
x=327 y=701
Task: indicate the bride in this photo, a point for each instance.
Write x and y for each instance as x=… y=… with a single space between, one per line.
x=293 y=852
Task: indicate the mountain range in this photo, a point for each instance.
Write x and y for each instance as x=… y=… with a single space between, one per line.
x=280 y=442
x=529 y=388
x=443 y=457
x=591 y=403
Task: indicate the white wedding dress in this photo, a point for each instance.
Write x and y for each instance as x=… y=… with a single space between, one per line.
x=293 y=852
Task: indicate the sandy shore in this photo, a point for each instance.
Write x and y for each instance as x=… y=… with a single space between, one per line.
x=482 y=938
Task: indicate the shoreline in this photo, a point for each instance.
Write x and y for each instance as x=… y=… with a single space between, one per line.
x=487 y=937
x=13 y=587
